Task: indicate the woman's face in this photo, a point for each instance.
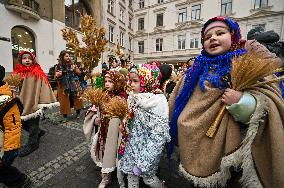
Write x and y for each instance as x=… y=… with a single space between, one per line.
x=109 y=85
x=217 y=41
x=66 y=58
x=27 y=60
x=134 y=83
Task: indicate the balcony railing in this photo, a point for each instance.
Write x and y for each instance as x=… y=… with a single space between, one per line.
x=27 y=8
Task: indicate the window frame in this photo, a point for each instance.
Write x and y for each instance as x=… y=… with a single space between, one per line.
x=110 y=7
x=130 y=3
x=111 y=34
x=159 y=44
x=181 y=42
x=141 y=47
x=121 y=14
x=226 y=3
x=182 y=15
x=260 y=4
x=141 y=25
x=195 y=42
x=161 y=15
x=141 y=3
x=18 y=44
x=73 y=12
x=121 y=38
x=196 y=12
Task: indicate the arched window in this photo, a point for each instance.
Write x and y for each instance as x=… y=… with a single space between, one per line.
x=22 y=39
x=73 y=10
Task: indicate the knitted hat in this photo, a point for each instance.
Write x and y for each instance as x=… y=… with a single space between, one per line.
x=219 y=22
x=104 y=66
x=2 y=73
x=26 y=52
x=150 y=77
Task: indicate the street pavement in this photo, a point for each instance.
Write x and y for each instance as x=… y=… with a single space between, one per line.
x=63 y=158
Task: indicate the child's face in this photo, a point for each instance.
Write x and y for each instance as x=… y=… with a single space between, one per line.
x=27 y=60
x=66 y=58
x=109 y=85
x=114 y=64
x=217 y=41
x=134 y=83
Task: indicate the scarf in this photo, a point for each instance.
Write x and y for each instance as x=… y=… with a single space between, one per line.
x=215 y=70
x=33 y=70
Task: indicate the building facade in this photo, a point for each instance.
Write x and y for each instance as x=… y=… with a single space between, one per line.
x=35 y=25
x=169 y=30
x=118 y=21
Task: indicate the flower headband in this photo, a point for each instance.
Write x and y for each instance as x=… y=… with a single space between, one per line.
x=150 y=77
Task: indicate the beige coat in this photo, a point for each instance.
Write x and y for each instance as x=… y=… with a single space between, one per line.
x=36 y=94
x=259 y=152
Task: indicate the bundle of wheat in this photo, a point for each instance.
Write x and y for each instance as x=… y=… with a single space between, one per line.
x=248 y=71
x=116 y=107
x=14 y=80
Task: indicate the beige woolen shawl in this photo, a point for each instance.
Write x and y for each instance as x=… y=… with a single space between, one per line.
x=257 y=147
x=35 y=95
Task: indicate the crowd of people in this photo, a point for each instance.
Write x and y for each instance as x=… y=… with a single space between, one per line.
x=137 y=112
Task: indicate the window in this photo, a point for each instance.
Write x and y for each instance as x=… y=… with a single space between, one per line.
x=130 y=43
x=141 y=47
x=73 y=10
x=130 y=4
x=159 y=45
x=121 y=15
x=195 y=12
x=159 y=19
x=141 y=3
x=110 y=6
x=22 y=39
x=260 y=3
x=121 y=38
x=160 y=1
x=130 y=22
x=259 y=25
x=226 y=7
x=181 y=42
x=182 y=15
x=141 y=24
x=194 y=43
x=110 y=33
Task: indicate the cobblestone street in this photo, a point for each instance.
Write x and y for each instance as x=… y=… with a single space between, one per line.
x=63 y=159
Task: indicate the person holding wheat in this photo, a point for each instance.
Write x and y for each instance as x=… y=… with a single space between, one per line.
x=226 y=114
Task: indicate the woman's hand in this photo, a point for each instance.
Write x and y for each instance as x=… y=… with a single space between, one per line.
x=231 y=96
x=98 y=121
x=74 y=67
